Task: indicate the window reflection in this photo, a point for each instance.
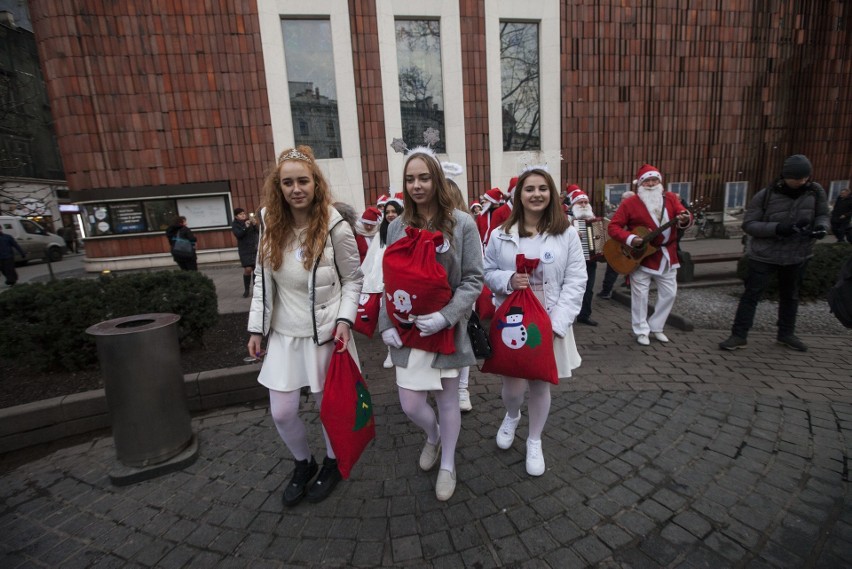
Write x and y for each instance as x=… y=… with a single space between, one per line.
x=421 y=88
x=519 y=77
x=310 y=77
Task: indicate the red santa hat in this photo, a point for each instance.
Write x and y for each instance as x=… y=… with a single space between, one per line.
x=371 y=216
x=565 y=209
x=575 y=194
x=475 y=204
x=383 y=199
x=494 y=195
x=645 y=172
x=512 y=183
x=396 y=199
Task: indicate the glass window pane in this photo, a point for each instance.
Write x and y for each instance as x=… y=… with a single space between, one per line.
x=421 y=87
x=310 y=77
x=519 y=77
x=160 y=214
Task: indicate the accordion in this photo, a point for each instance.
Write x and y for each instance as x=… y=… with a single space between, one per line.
x=593 y=235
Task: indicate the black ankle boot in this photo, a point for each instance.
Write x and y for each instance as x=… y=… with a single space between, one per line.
x=328 y=478
x=246 y=282
x=303 y=472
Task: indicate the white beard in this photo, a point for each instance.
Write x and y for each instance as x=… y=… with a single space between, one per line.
x=583 y=211
x=653 y=199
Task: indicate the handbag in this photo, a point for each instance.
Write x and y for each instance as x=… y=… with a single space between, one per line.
x=182 y=247
x=478 y=338
x=347 y=411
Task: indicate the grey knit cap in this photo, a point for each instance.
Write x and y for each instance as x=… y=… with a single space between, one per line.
x=796 y=167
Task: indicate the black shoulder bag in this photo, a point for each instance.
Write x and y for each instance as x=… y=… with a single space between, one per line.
x=478 y=338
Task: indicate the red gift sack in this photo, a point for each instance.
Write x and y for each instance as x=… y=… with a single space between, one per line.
x=485 y=304
x=346 y=411
x=521 y=335
x=368 y=313
x=416 y=284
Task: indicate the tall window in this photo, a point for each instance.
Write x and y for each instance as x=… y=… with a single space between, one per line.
x=613 y=194
x=421 y=87
x=834 y=189
x=682 y=189
x=519 y=79
x=313 y=94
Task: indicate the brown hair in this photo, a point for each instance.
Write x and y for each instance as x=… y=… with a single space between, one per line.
x=553 y=221
x=278 y=221
x=456 y=195
x=443 y=220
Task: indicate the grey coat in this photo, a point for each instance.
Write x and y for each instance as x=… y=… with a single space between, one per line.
x=764 y=213
x=463 y=263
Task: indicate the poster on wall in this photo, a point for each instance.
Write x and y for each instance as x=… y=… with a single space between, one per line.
x=128 y=217
x=204 y=212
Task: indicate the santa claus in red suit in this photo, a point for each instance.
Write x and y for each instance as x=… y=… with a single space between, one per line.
x=504 y=211
x=654 y=208
x=491 y=201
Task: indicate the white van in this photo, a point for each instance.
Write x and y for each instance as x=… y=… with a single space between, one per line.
x=37 y=241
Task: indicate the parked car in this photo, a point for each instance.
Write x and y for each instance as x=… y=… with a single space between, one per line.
x=37 y=241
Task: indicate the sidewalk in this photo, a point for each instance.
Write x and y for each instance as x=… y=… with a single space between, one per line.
x=676 y=455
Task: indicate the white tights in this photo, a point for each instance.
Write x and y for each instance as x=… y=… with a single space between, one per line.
x=538 y=405
x=415 y=405
x=284 y=408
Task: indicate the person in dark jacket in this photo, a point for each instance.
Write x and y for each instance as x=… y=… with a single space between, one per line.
x=245 y=230
x=186 y=260
x=841 y=214
x=782 y=223
x=8 y=244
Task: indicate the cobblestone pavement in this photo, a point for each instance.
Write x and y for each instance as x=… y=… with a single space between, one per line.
x=677 y=455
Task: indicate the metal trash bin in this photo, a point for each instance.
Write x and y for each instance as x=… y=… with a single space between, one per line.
x=151 y=426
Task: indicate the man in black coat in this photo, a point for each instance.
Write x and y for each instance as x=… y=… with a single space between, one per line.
x=841 y=214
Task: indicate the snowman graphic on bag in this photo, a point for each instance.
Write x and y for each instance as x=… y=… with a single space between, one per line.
x=514 y=333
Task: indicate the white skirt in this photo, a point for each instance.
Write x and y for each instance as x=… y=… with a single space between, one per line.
x=293 y=363
x=567 y=356
x=419 y=375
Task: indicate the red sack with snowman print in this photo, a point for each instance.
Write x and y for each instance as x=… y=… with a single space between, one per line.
x=415 y=285
x=521 y=335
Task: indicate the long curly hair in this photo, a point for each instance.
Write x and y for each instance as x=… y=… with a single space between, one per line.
x=443 y=220
x=553 y=221
x=278 y=221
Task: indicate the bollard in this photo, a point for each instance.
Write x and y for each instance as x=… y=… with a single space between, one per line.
x=143 y=381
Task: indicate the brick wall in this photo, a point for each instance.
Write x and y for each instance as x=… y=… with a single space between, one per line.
x=153 y=93
x=708 y=94
x=472 y=14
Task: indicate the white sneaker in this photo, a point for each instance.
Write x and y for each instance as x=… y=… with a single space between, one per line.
x=660 y=337
x=506 y=434
x=643 y=340
x=445 y=486
x=464 y=400
x=535 y=458
x=430 y=455
x=388 y=363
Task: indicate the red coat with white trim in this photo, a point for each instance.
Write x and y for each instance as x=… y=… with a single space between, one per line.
x=633 y=212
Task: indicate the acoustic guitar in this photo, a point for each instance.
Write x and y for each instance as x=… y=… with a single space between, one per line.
x=624 y=258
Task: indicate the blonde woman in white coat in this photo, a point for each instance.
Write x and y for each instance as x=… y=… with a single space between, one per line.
x=538 y=229
x=307 y=285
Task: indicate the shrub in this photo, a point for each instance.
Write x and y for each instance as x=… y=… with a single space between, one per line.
x=820 y=273
x=44 y=324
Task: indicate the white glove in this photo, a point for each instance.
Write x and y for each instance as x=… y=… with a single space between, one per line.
x=429 y=324
x=391 y=338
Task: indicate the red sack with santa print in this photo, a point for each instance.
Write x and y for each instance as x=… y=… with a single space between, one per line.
x=346 y=411
x=367 y=317
x=521 y=335
x=415 y=285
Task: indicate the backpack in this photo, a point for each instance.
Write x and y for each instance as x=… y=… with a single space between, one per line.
x=840 y=296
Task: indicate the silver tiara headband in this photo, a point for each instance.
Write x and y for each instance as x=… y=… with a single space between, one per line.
x=431 y=136
x=293 y=154
x=537 y=160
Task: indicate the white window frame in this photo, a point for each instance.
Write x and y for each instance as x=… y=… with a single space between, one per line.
x=505 y=165
x=609 y=190
x=733 y=212
x=344 y=174
x=447 y=11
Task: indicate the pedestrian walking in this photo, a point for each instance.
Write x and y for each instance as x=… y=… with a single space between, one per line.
x=307 y=283
x=182 y=244
x=8 y=246
x=244 y=228
x=841 y=213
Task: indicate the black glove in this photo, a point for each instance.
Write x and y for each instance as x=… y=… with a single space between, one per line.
x=784 y=229
x=819 y=232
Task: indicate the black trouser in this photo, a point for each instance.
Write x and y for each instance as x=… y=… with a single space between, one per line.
x=609 y=279
x=838 y=228
x=187 y=263
x=586 y=309
x=759 y=273
x=7 y=267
